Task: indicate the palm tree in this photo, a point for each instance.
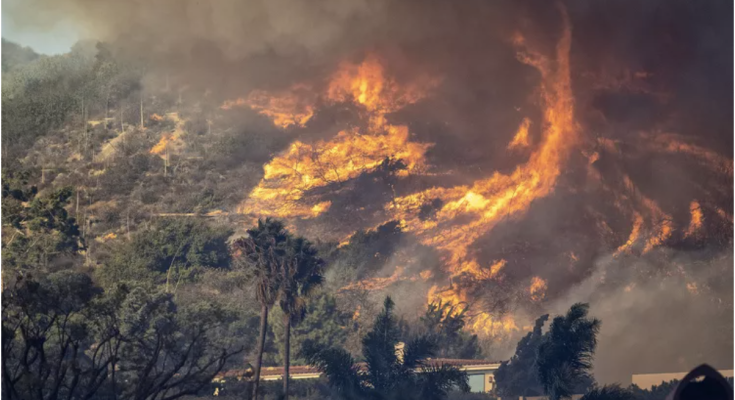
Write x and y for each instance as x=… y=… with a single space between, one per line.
x=386 y=373
x=261 y=254
x=300 y=274
x=564 y=358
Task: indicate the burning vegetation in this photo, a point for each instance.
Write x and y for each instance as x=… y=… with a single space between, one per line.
x=304 y=181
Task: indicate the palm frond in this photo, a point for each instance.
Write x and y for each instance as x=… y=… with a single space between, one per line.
x=336 y=364
x=418 y=350
x=379 y=348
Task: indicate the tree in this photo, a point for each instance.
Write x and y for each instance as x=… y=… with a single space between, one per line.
x=168 y=252
x=15 y=56
x=445 y=322
x=64 y=337
x=387 y=374
x=517 y=376
x=301 y=273
x=39 y=231
x=324 y=324
x=608 y=392
x=565 y=355
x=261 y=255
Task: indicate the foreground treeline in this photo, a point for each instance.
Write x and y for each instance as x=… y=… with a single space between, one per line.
x=132 y=330
x=177 y=303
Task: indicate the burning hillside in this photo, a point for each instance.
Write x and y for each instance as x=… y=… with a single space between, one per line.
x=511 y=156
x=563 y=160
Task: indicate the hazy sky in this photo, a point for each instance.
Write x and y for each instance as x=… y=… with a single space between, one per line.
x=56 y=39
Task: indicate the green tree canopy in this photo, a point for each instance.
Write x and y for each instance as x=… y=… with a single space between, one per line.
x=170 y=250
x=324 y=324
x=39 y=233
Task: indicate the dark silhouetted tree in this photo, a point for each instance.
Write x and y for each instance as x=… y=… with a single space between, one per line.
x=518 y=376
x=261 y=255
x=301 y=273
x=564 y=359
x=387 y=373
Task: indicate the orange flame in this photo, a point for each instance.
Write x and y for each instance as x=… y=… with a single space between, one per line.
x=520 y=140
x=696 y=222
x=483 y=323
x=489 y=201
x=307 y=166
x=634 y=234
x=537 y=289
x=168 y=139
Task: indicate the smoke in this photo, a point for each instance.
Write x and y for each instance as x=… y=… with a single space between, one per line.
x=654 y=320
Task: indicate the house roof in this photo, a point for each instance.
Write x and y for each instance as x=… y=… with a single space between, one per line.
x=305 y=371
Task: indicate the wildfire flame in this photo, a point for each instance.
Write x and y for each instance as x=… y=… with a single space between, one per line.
x=537 y=289
x=695 y=224
x=491 y=200
x=460 y=215
x=520 y=140
x=290 y=107
x=168 y=138
x=306 y=166
x=634 y=235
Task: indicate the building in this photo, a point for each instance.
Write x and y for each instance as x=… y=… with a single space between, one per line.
x=480 y=372
x=646 y=381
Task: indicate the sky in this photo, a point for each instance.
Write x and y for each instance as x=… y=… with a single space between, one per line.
x=56 y=39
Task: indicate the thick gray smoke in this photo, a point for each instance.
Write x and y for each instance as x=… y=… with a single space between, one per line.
x=657 y=324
